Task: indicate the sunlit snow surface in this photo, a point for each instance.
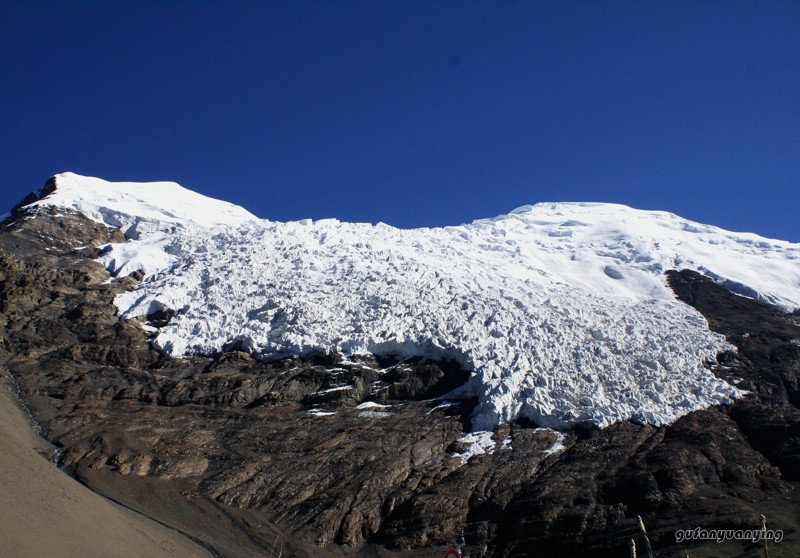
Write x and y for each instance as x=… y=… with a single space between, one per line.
x=561 y=310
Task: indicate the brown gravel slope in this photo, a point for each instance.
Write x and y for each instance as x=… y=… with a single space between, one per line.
x=43 y=512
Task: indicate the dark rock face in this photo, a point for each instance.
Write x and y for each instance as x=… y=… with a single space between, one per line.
x=250 y=457
x=768 y=364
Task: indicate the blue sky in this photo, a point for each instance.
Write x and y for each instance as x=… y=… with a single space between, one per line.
x=414 y=113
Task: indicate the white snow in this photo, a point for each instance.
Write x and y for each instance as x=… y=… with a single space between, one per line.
x=338 y=388
x=558 y=444
x=443 y=405
x=128 y=205
x=371 y=405
x=479 y=443
x=154 y=210
x=320 y=413
x=560 y=310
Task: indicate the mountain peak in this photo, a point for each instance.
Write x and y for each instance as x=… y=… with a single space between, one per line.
x=124 y=204
x=561 y=310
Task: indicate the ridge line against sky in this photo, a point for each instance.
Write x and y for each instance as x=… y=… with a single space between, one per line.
x=414 y=113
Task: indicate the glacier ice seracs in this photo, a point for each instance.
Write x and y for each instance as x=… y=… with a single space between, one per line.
x=560 y=310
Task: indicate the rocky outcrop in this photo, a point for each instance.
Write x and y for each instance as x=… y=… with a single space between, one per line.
x=326 y=456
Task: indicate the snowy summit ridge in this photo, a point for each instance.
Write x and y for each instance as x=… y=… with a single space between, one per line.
x=560 y=310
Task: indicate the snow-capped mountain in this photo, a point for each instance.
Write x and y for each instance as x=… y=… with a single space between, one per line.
x=560 y=310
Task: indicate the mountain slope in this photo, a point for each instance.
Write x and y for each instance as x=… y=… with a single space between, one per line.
x=560 y=310
x=330 y=456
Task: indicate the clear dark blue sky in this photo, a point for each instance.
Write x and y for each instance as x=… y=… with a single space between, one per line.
x=414 y=113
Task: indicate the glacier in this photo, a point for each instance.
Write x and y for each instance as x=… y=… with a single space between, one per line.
x=560 y=311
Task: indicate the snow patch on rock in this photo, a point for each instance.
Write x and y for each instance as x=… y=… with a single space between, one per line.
x=558 y=444
x=478 y=443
